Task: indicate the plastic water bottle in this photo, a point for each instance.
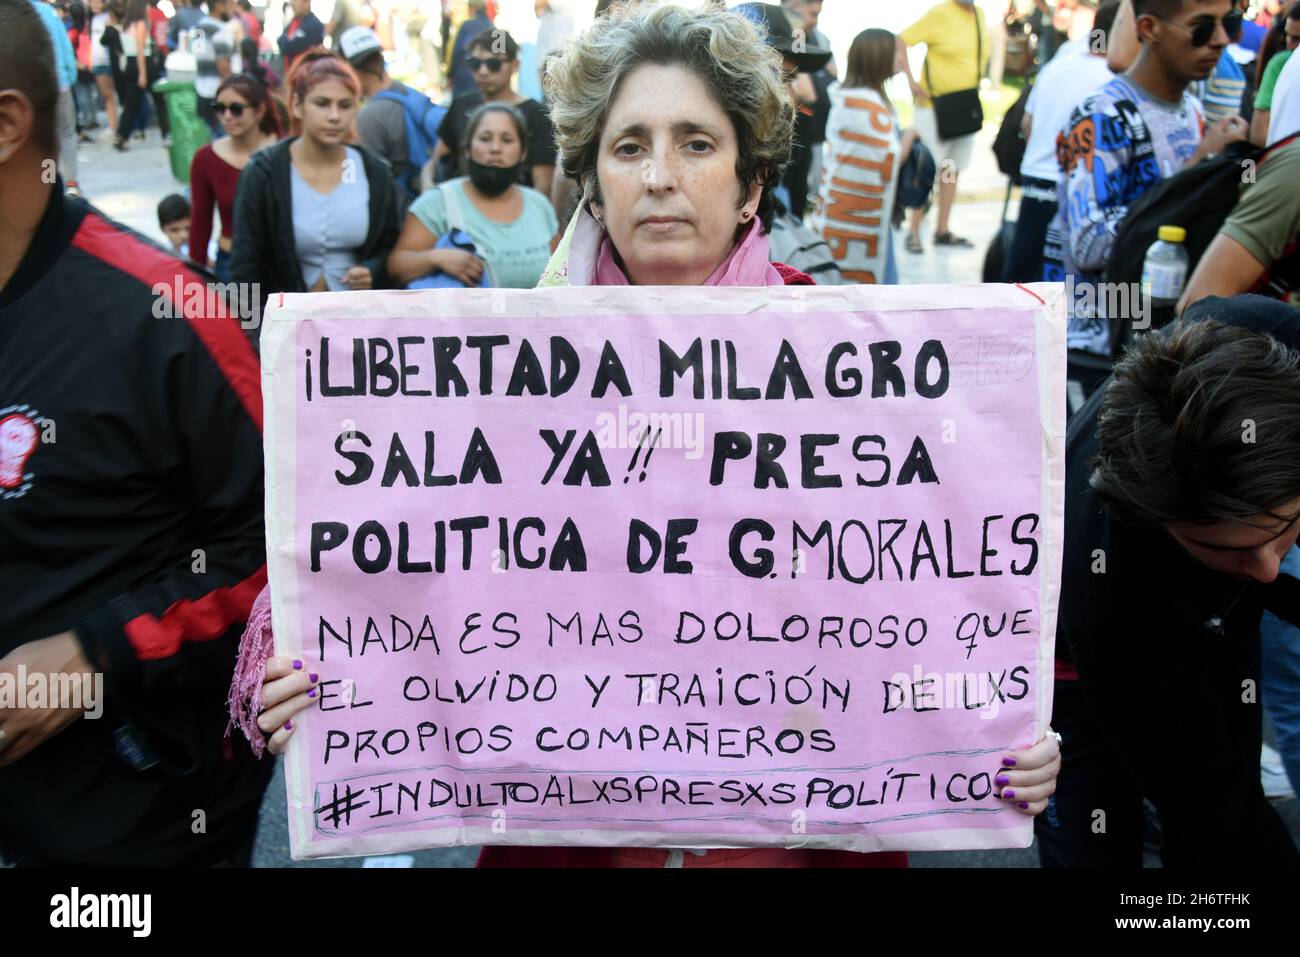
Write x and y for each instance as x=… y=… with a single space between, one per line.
x=1164 y=271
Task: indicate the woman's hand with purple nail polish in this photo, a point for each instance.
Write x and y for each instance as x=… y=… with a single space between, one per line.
x=1028 y=777
x=287 y=689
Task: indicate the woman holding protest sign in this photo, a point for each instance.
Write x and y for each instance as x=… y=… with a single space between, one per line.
x=676 y=125
x=482 y=229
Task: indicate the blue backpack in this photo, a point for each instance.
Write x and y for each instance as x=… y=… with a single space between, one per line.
x=423 y=117
x=457 y=238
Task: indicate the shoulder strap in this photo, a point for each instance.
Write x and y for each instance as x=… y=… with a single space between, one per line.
x=451 y=203
x=979 y=55
x=1278 y=145
x=456 y=220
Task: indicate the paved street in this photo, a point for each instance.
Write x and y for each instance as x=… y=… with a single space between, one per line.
x=127 y=186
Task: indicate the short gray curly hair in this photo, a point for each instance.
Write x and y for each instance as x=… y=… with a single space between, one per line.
x=724 y=49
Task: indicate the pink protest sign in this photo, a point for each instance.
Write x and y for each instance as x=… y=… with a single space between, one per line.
x=677 y=567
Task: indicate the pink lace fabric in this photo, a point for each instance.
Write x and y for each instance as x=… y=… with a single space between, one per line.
x=256 y=645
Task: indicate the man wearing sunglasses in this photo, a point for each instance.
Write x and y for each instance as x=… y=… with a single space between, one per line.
x=494 y=58
x=458 y=72
x=1137 y=130
x=1222 y=92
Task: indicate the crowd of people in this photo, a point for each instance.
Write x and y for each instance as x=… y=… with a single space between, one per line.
x=769 y=165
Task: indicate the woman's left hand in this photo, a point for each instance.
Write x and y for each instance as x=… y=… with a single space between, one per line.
x=358 y=277
x=144 y=81
x=1028 y=778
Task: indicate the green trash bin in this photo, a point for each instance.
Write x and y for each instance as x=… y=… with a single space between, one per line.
x=189 y=132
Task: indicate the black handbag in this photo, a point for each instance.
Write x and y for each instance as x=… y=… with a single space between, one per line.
x=961 y=113
x=915 y=182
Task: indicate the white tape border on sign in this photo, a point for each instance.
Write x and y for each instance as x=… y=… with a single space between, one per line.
x=281 y=319
x=279 y=325
x=1052 y=401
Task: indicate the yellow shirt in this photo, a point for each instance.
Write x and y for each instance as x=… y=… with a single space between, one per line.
x=948 y=32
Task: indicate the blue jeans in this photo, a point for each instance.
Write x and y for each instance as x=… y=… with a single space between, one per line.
x=1024 y=262
x=83 y=94
x=145 y=114
x=891 y=265
x=1280 y=679
x=221 y=267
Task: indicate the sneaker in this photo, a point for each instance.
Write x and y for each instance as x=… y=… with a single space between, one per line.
x=1272 y=775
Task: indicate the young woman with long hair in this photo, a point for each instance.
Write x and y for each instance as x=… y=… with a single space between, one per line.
x=136 y=57
x=315 y=212
x=860 y=169
x=247 y=114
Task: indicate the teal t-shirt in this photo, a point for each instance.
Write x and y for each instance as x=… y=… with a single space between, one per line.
x=517 y=252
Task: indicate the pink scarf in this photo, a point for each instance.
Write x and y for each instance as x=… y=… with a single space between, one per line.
x=256 y=645
x=746 y=265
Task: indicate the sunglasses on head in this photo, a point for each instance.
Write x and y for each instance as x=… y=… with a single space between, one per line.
x=493 y=65
x=236 y=109
x=1203 y=32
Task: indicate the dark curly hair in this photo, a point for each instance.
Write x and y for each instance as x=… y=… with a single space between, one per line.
x=1201 y=424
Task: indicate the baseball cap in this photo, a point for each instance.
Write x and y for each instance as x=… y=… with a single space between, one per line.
x=781 y=36
x=357 y=43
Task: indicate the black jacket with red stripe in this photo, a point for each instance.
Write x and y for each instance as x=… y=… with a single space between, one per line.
x=130 y=514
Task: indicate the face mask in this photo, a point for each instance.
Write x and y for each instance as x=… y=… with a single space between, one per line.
x=492 y=180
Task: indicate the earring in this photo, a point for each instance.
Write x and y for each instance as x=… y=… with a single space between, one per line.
x=745 y=215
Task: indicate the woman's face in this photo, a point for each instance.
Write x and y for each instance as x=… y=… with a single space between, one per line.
x=228 y=103
x=96 y=7
x=496 y=142
x=667 y=172
x=327 y=112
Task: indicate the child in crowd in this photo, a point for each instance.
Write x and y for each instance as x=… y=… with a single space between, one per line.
x=174 y=221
